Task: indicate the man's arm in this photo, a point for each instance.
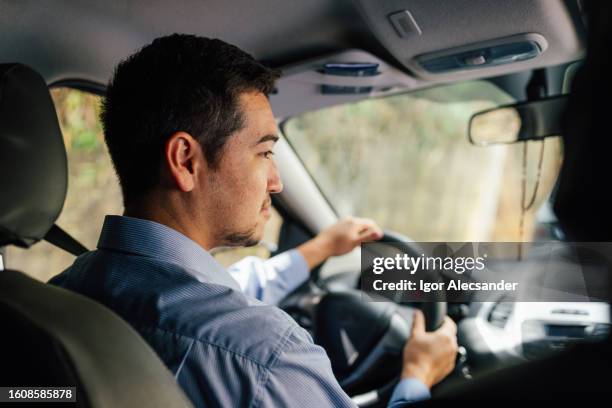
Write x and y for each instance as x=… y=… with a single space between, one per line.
x=302 y=375
x=339 y=239
x=271 y=280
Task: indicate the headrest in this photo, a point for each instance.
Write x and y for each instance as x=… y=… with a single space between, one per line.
x=33 y=167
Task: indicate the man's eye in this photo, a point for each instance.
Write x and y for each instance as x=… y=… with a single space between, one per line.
x=268 y=154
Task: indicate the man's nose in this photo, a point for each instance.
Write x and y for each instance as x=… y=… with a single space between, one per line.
x=275 y=185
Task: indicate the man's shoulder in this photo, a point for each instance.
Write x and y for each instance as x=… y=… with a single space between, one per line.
x=112 y=277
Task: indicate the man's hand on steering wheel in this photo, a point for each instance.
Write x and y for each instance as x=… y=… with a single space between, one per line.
x=430 y=356
x=339 y=239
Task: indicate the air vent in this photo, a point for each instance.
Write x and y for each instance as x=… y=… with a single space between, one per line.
x=500 y=314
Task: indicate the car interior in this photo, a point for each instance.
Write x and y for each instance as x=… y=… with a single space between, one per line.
x=378 y=108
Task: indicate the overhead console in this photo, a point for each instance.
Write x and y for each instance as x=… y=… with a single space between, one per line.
x=502 y=51
x=464 y=39
x=335 y=79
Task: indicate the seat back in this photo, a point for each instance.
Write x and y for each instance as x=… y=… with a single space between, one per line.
x=54 y=337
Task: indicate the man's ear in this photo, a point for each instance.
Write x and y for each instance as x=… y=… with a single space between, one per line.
x=183 y=157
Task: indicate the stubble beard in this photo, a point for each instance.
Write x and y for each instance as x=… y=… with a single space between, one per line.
x=246 y=238
x=241 y=238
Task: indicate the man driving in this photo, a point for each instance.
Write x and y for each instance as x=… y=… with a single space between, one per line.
x=191 y=134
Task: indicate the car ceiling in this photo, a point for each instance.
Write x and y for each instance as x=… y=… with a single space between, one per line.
x=84 y=40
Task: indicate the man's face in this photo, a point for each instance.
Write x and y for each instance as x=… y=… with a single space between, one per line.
x=239 y=190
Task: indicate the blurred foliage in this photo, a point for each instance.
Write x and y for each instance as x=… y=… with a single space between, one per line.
x=93 y=189
x=78 y=113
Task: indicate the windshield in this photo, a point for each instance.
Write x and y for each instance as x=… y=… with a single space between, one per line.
x=406 y=162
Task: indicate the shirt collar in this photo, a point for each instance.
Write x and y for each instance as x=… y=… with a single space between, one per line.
x=154 y=240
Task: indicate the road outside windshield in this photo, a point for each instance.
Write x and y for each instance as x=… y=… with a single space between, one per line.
x=406 y=162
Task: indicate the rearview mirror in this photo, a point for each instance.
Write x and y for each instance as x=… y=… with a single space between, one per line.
x=519 y=122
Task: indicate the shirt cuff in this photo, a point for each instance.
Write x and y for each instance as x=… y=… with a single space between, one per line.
x=408 y=390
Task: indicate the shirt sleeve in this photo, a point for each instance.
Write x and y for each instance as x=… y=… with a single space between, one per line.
x=270 y=280
x=302 y=377
x=408 y=390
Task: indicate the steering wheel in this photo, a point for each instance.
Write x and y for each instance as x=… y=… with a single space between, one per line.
x=364 y=340
x=434 y=312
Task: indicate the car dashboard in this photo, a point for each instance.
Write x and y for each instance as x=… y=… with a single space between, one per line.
x=498 y=334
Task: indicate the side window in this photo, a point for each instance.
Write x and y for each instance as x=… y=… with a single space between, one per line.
x=93 y=189
x=229 y=255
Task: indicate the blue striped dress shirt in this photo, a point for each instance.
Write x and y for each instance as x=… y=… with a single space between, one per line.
x=225 y=347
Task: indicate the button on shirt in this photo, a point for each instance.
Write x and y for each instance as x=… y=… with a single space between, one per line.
x=224 y=346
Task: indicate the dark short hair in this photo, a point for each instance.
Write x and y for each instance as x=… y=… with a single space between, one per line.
x=177 y=83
